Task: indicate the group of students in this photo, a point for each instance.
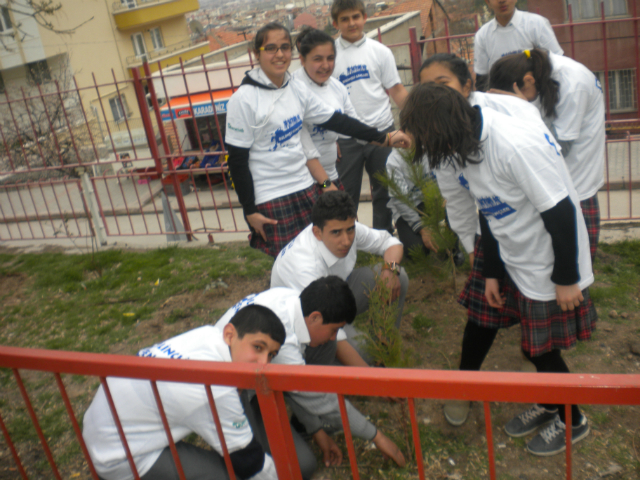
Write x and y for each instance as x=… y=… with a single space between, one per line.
x=514 y=165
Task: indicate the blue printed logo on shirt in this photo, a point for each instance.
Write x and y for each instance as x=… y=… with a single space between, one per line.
x=354 y=73
x=164 y=348
x=282 y=135
x=494 y=207
x=598 y=84
x=244 y=302
x=463 y=181
x=546 y=135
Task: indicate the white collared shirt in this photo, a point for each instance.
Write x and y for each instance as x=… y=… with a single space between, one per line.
x=306 y=258
x=522 y=173
x=368 y=69
x=186 y=407
x=335 y=94
x=268 y=122
x=524 y=31
x=285 y=303
x=580 y=116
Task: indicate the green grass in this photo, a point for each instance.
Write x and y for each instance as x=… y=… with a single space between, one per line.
x=617 y=271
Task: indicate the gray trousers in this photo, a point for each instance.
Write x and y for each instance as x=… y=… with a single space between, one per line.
x=355 y=158
x=201 y=464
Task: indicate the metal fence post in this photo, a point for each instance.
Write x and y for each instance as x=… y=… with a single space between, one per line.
x=89 y=196
x=414 y=55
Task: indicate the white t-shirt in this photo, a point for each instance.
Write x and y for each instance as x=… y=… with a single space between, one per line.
x=580 y=116
x=521 y=174
x=268 y=121
x=367 y=68
x=306 y=258
x=461 y=206
x=524 y=32
x=335 y=94
x=186 y=407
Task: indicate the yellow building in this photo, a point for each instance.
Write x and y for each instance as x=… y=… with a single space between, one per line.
x=110 y=38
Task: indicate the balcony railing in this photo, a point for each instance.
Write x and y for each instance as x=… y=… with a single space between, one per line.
x=167 y=51
x=131 y=4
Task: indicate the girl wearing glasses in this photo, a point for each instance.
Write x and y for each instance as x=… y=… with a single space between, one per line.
x=266 y=158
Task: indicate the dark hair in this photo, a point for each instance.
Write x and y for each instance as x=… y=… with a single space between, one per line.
x=454 y=63
x=336 y=205
x=512 y=69
x=262 y=34
x=309 y=38
x=258 y=319
x=446 y=133
x=332 y=297
x=339 y=6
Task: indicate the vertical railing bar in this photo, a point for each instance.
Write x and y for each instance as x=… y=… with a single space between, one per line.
x=173 y=121
x=213 y=198
x=53 y=134
x=568 y=427
x=156 y=107
x=226 y=59
x=73 y=210
x=15 y=124
x=215 y=110
x=66 y=119
x=15 y=215
x=379 y=35
x=6 y=147
x=250 y=57
x=35 y=209
x=195 y=190
x=126 y=119
x=36 y=138
x=102 y=215
x=86 y=120
x=167 y=430
x=348 y=438
x=416 y=438
x=46 y=204
x=4 y=218
x=193 y=112
x=630 y=175
x=116 y=420
x=226 y=188
x=24 y=209
x=104 y=114
x=606 y=163
x=12 y=447
x=155 y=207
x=606 y=61
x=637 y=49
x=223 y=442
x=113 y=210
x=55 y=197
x=86 y=210
x=74 y=423
x=36 y=424
x=571 y=33
x=135 y=188
x=490 y=447
x=447 y=34
x=126 y=204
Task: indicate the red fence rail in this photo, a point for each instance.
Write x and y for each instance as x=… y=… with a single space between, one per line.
x=52 y=136
x=271 y=381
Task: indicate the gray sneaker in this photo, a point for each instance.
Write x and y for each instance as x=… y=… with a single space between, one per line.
x=457 y=411
x=529 y=421
x=552 y=439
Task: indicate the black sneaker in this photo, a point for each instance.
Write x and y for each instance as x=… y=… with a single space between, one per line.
x=552 y=440
x=529 y=421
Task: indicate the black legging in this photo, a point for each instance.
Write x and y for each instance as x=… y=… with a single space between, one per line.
x=476 y=343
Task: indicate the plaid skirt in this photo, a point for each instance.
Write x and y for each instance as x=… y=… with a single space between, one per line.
x=544 y=326
x=591 y=212
x=473 y=299
x=293 y=213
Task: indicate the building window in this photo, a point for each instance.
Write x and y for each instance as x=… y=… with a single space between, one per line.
x=139 y=47
x=622 y=90
x=129 y=3
x=38 y=72
x=587 y=9
x=119 y=108
x=156 y=38
x=6 y=27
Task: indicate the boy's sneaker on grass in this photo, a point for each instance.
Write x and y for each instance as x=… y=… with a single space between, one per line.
x=457 y=411
x=529 y=421
x=552 y=440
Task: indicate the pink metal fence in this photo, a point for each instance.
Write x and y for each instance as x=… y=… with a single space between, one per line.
x=51 y=137
x=271 y=381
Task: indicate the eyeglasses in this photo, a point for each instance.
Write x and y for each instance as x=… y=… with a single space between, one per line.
x=273 y=48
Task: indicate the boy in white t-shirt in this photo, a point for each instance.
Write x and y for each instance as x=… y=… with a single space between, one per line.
x=253 y=335
x=511 y=31
x=368 y=70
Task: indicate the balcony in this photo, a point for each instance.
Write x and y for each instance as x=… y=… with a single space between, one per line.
x=130 y=14
x=169 y=55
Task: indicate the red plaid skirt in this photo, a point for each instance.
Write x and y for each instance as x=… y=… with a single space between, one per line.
x=293 y=213
x=544 y=325
x=591 y=212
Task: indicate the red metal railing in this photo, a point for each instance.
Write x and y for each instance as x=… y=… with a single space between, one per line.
x=51 y=134
x=271 y=381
